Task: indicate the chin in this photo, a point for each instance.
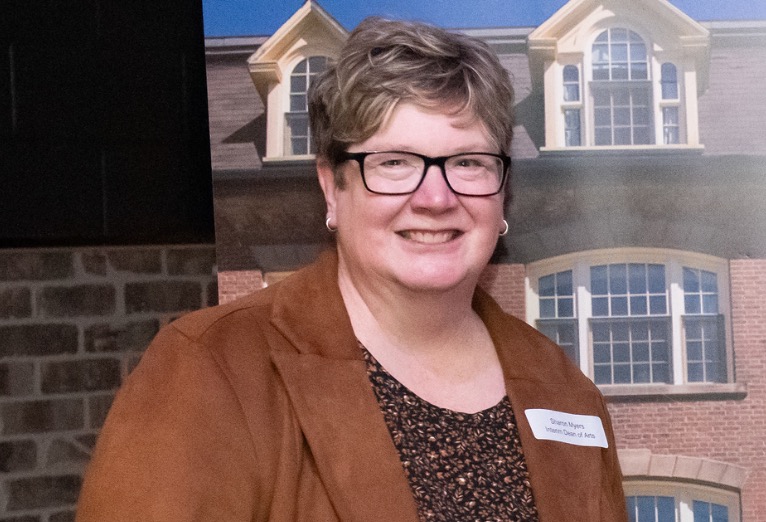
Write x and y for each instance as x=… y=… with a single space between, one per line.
x=436 y=279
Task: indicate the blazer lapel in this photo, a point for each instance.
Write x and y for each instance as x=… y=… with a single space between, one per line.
x=343 y=425
x=316 y=354
x=565 y=478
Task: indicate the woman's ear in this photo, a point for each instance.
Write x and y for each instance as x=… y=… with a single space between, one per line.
x=326 y=176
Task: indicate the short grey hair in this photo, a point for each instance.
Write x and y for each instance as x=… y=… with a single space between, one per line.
x=385 y=62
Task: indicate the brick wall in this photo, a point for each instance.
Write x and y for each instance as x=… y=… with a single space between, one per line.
x=73 y=323
x=731 y=431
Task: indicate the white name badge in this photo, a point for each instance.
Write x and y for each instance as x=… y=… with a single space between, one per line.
x=580 y=430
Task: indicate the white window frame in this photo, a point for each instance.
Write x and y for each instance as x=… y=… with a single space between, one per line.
x=674 y=261
x=652 y=79
x=685 y=493
x=655 y=59
x=285 y=103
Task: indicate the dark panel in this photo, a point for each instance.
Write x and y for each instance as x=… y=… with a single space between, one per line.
x=103 y=123
x=51 y=190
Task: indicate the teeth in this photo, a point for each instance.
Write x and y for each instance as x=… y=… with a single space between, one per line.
x=429 y=237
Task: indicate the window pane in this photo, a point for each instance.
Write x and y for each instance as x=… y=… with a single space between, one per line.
x=297 y=102
x=719 y=513
x=666 y=509
x=701 y=511
x=657 y=305
x=603 y=117
x=638 y=305
x=618 y=283
x=622 y=116
x=547 y=308
x=639 y=71
x=301 y=67
x=600 y=306
x=619 y=52
x=571 y=74
x=603 y=137
x=638 y=52
x=600 y=53
x=641 y=374
x=656 y=275
x=641 y=116
x=598 y=280
x=572 y=93
x=622 y=374
x=564 y=283
x=637 y=278
x=646 y=509
x=694 y=350
x=601 y=353
x=317 y=64
x=546 y=285
x=621 y=353
x=619 y=306
x=572 y=118
x=298 y=83
x=709 y=281
x=641 y=352
x=619 y=72
x=602 y=375
x=710 y=304
x=299 y=146
x=642 y=136
x=670 y=116
x=622 y=136
x=566 y=307
x=692 y=304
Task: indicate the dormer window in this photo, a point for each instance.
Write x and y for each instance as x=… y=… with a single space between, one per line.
x=615 y=77
x=297 y=133
x=620 y=90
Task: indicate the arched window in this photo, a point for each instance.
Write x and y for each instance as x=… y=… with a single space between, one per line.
x=621 y=91
x=636 y=317
x=649 y=501
x=297 y=134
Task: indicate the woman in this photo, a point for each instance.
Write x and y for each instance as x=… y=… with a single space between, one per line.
x=378 y=384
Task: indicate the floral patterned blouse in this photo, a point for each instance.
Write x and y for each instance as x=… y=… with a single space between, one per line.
x=460 y=466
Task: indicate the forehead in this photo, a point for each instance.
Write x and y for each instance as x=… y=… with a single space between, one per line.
x=409 y=126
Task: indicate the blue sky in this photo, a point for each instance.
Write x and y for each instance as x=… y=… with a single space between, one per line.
x=263 y=17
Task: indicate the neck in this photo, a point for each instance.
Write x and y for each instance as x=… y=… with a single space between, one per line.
x=432 y=342
x=409 y=319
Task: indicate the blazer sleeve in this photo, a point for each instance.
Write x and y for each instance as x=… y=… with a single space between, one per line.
x=175 y=445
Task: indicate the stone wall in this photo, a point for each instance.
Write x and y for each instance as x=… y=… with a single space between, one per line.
x=73 y=323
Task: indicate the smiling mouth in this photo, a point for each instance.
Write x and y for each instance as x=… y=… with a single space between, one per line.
x=420 y=236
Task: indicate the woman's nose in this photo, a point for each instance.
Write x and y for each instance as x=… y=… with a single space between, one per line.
x=434 y=193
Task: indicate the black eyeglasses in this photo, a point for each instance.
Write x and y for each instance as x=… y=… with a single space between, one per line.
x=396 y=172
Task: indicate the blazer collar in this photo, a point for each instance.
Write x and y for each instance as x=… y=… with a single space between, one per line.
x=318 y=358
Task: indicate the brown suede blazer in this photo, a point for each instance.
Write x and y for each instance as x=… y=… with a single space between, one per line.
x=262 y=410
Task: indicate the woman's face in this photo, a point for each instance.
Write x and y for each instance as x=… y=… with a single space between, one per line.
x=429 y=240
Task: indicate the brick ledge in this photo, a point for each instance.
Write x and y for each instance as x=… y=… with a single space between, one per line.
x=674 y=393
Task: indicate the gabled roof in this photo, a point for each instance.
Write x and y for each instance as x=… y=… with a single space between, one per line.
x=667 y=26
x=309 y=25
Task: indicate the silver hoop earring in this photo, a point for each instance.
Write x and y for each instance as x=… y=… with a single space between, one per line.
x=329 y=228
x=504 y=232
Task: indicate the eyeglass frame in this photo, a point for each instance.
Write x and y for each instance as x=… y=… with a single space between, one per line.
x=439 y=161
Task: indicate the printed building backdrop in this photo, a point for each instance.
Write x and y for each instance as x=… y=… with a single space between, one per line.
x=637 y=225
